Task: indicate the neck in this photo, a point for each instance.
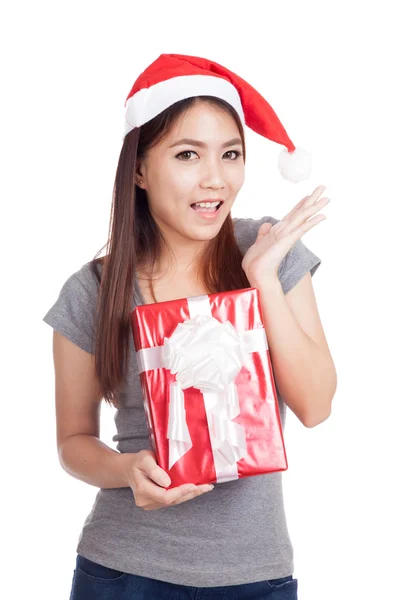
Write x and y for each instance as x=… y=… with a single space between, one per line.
x=182 y=260
x=182 y=265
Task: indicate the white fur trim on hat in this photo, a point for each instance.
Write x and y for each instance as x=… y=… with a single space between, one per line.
x=295 y=166
x=147 y=103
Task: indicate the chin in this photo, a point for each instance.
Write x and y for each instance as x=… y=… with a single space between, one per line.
x=204 y=237
x=208 y=231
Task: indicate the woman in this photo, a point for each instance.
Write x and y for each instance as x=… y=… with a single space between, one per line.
x=184 y=146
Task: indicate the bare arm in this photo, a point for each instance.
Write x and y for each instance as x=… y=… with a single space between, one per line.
x=78 y=398
x=303 y=367
x=81 y=452
x=87 y=458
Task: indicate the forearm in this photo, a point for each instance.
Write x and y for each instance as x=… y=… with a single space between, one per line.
x=87 y=458
x=304 y=373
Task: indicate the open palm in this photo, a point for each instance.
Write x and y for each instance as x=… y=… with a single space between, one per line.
x=273 y=242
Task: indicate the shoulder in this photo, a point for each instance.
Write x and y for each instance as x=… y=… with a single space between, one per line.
x=85 y=279
x=72 y=313
x=89 y=275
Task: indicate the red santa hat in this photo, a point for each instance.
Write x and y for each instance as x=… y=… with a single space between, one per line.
x=173 y=77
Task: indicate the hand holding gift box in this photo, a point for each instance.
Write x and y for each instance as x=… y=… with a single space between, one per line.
x=208 y=387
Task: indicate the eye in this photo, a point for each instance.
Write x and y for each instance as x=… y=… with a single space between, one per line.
x=236 y=152
x=185 y=152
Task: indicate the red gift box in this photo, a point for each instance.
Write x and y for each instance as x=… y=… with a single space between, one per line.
x=208 y=388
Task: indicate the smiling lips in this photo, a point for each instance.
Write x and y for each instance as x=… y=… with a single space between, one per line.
x=206 y=213
x=207 y=205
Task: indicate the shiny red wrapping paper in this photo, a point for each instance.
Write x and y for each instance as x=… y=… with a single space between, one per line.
x=259 y=409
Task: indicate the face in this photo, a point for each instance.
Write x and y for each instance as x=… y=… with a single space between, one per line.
x=177 y=174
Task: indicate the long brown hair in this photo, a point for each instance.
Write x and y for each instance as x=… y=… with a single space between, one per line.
x=134 y=241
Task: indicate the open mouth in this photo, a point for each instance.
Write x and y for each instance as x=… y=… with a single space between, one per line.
x=203 y=209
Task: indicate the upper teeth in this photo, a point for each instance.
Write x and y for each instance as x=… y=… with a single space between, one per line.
x=207 y=204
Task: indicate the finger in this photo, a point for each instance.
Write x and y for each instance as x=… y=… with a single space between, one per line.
x=296 y=207
x=159 y=476
x=304 y=227
x=314 y=196
x=160 y=495
x=305 y=214
x=157 y=498
x=306 y=201
x=314 y=221
x=150 y=467
x=308 y=211
x=201 y=489
x=263 y=230
x=198 y=491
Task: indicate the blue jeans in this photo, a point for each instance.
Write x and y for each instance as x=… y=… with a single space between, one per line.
x=94 y=582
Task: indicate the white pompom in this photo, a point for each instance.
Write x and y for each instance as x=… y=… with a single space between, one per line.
x=295 y=166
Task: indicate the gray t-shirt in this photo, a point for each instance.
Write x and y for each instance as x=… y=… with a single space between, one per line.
x=235 y=534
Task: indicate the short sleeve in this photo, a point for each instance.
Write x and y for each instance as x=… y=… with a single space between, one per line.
x=297 y=262
x=73 y=313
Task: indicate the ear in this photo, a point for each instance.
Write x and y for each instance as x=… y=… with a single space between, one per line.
x=139 y=177
x=139 y=181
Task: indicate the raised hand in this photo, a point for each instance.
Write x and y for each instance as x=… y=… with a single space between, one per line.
x=273 y=242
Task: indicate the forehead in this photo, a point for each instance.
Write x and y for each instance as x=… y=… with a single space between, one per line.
x=204 y=121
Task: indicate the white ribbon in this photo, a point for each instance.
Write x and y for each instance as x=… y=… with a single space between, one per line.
x=205 y=354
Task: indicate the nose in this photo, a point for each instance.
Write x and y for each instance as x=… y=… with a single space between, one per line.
x=213 y=175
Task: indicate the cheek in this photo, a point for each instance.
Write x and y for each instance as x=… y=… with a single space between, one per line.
x=170 y=189
x=237 y=179
x=184 y=179
x=175 y=180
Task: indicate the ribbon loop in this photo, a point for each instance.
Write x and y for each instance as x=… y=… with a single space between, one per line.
x=177 y=425
x=206 y=354
x=203 y=353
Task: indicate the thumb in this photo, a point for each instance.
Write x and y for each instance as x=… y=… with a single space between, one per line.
x=263 y=230
x=154 y=471
x=159 y=476
x=162 y=478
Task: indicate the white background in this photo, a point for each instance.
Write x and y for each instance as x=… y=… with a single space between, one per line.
x=330 y=70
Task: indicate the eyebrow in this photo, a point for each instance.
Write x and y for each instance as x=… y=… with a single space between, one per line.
x=191 y=142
